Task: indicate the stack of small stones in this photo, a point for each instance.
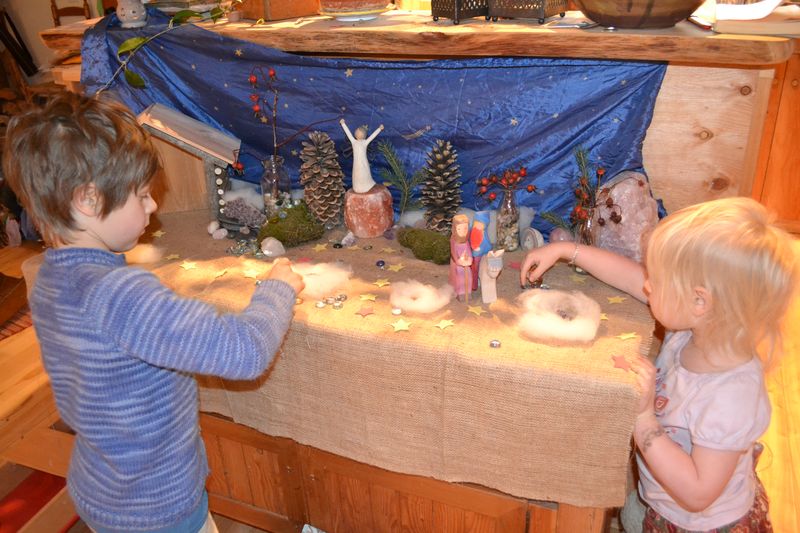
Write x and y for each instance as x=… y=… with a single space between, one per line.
x=337 y=302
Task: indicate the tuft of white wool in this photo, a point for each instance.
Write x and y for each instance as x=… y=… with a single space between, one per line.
x=558 y=315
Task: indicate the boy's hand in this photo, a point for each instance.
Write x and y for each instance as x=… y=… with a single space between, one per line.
x=540 y=260
x=282 y=271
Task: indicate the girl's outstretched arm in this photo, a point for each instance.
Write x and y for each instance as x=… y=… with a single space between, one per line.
x=616 y=270
x=694 y=481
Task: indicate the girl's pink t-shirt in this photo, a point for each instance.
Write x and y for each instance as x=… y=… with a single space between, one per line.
x=726 y=410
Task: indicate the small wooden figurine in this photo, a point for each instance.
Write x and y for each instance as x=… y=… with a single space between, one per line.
x=491 y=265
x=460 y=258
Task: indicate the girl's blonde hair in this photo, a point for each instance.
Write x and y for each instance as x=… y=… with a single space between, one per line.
x=71 y=142
x=732 y=248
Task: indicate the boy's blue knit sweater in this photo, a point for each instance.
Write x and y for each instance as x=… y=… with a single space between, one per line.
x=120 y=350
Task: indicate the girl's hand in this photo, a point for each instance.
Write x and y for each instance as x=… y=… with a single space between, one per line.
x=282 y=271
x=646 y=380
x=540 y=259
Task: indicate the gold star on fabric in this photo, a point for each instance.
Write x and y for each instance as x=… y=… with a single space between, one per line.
x=444 y=324
x=366 y=297
x=365 y=311
x=264 y=119
x=188 y=265
x=294 y=153
x=388 y=250
x=514 y=122
x=396 y=268
x=158 y=234
x=348 y=73
x=251 y=273
x=320 y=247
x=401 y=325
x=626 y=336
x=354 y=247
x=621 y=362
x=476 y=309
x=220 y=273
x=616 y=299
x=603 y=316
x=171 y=257
x=578 y=279
x=239 y=52
x=382 y=282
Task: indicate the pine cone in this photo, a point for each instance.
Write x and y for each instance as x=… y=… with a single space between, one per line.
x=441 y=191
x=323 y=178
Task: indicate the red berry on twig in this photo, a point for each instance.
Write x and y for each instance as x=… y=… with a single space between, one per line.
x=252 y=79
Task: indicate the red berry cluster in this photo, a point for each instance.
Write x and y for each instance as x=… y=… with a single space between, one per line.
x=589 y=197
x=259 y=103
x=508 y=182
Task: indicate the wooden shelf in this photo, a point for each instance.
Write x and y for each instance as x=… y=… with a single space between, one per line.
x=415 y=34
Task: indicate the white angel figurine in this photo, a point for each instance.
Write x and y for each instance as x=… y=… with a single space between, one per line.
x=491 y=265
x=362 y=177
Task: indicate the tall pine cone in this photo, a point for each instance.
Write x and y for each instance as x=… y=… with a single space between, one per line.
x=323 y=179
x=441 y=191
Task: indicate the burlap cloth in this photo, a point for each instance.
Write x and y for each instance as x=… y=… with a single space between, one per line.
x=539 y=421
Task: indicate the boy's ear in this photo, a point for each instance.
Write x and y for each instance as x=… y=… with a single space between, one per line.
x=86 y=200
x=702 y=301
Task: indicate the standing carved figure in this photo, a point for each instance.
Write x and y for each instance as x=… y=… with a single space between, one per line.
x=362 y=177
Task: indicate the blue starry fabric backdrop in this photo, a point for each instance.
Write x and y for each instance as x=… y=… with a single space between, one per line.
x=497 y=112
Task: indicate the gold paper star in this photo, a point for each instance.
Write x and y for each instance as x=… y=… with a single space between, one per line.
x=251 y=273
x=365 y=297
x=170 y=257
x=396 y=268
x=354 y=247
x=188 y=265
x=626 y=336
x=476 y=309
x=348 y=73
x=616 y=299
x=388 y=250
x=514 y=121
x=320 y=247
x=239 y=52
x=382 y=282
x=263 y=119
x=401 y=325
x=221 y=273
x=158 y=234
x=621 y=362
x=365 y=311
x=443 y=324
x=578 y=279
x=603 y=316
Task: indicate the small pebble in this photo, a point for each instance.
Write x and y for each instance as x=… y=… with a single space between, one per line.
x=330 y=300
x=337 y=245
x=494 y=343
x=338 y=305
x=397 y=311
x=319 y=305
x=367 y=247
x=341 y=297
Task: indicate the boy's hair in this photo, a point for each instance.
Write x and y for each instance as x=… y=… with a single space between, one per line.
x=52 y=152
x=731 y=248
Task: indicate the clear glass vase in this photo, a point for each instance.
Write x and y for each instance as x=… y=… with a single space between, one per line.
x=275 y=186
x=508 y=223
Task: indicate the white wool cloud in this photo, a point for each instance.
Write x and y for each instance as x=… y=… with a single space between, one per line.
x=558 y=315
x=322 y=279
x=245 y=191
x=417 y=297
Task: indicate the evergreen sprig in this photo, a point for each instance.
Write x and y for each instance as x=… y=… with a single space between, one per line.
x=397 y=176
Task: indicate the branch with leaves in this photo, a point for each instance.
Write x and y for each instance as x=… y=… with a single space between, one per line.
x=129 y=48
x=397 y=176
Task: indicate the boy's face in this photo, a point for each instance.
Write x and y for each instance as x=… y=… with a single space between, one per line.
x=121 y=229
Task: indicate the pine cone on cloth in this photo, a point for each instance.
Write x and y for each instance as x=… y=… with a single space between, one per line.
x=441 y=190
x=323 y=179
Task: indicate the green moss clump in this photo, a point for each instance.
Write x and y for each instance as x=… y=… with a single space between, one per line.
x=298 y=227
x=426 y=244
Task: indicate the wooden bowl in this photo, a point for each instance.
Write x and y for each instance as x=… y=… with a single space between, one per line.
x=638 y=13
